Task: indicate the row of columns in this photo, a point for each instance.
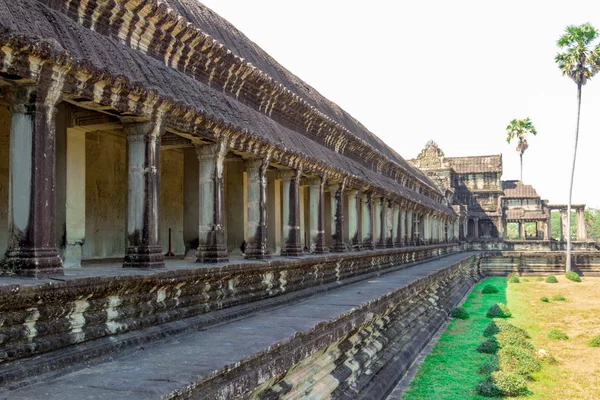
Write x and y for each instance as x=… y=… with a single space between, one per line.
x=581 y=231
x=374 y=221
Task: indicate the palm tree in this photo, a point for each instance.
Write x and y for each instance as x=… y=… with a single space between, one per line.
x=579 y=61
x=519 y=129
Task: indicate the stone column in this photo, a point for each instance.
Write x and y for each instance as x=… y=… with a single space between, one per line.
x=256 y=170
x=581 y=230
x=211 y=232
x=317 y=216
x=378 y=240
x=522 y=231
x=31 y=248
x=337 y=217
x=563 y=220
x=291 y=243
x=476 y=228
x=410 y=240
x=389 y=224
x=143 y=195
x=396 y=222
x=353 y=218
x=402 y=228
x=548 y=228
x=367 y=221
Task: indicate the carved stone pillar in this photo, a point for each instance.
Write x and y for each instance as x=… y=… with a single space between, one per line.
x=290 y=182
x=143 y=195
x=522 y=231
x=476 y=228
x=581 y=230
x=317 y=216
x=257 y=209
x=548 y=228
x=410 y=239
x=402 y=227
x=211 y=244
x=388 y=223
x=380 y=220
x=31 y=249
x=563 y=223
x=367 y=221
x=337 y=217
x=396 y=221
x=353 y=219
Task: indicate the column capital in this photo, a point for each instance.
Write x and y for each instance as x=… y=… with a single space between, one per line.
x=352 y=192
x=289 y=174
x=140 y=131
x=210 y=150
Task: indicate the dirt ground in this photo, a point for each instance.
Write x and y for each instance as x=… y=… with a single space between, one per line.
x=577 y=373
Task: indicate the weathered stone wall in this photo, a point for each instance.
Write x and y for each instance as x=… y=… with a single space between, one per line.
x=4 y=166
x=360 y=354
x=171 y=200
x=501 y=263
x=41 y=318
x=106 y=195
x=529 y=245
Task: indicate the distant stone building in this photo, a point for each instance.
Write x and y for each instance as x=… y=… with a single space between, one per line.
x=486 y=204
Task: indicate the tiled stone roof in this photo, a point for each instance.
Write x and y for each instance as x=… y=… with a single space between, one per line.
x=518 y=190
x=476 y=164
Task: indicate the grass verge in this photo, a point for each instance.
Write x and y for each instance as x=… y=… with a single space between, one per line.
x=450 y=371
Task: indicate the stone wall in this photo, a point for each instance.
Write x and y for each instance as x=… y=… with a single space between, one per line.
x=171 y=200
x=106 y=195
x=501 y=263
x=44 y=317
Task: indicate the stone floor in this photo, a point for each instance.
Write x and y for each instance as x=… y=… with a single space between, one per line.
x=161 y=367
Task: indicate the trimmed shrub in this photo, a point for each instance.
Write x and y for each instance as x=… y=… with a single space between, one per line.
x=459 y=313
x=559 y=297
x=544 y=299
x=487 y=388
x=518 y=360
x=506 y=326
x=509 y=384
x=498 y=310
x=595 y=342
x=489 y=366
x=573 y=276
x=512 y=278
x=491 y=329
x=512 y=338
x=489 y=289
x=489 y=346
x=557 y=334
x=551 y=279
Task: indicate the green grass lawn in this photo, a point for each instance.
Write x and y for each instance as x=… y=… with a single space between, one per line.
x=450 y=371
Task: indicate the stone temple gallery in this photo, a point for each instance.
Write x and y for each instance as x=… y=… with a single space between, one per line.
x=182 y=217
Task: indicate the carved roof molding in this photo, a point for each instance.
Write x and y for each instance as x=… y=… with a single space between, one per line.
x=27 y=57
x=155 y=29
x=430 y=158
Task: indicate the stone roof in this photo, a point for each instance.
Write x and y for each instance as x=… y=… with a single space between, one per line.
x=227 y=84
x=476 y=164
x=518 y=190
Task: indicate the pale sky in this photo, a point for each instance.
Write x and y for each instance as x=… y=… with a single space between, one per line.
x=452 y=71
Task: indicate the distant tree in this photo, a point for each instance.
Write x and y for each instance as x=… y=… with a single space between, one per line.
x=579 y=60
x=519 y=129
x=592 y=224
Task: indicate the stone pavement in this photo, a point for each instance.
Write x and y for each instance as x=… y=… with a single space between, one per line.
x=161 y=367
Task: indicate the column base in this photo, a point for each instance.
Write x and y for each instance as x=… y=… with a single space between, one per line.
x=389 y=243
x=33 y=262
x=144 y=257
x=380 y=245
x=217 y=255
x=338 y=248
x=367 y=244
x=257 y=253
x=320 y=249
x=292 y=251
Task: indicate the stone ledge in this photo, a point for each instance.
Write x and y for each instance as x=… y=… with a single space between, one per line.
x=57 y=314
